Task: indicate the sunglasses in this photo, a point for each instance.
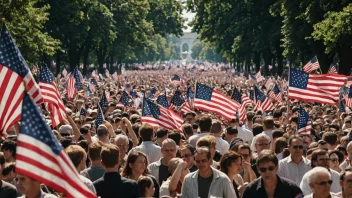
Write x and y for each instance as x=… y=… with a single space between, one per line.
x=323 y=183
x=263 y=169
x=201 y=161
x=186 y=155
x=298 y=146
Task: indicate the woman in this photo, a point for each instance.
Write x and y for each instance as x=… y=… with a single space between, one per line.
x=231 y=165
x=336 y=158
x=136 y=166
x=244 y=150
x=279 y=146
x=146 y=186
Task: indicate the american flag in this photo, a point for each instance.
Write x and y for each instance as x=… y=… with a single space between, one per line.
x=153 y=93
x=71 y=90
x=83 y=112
x=244 y=101
x=185 y=108
x=265 y=103
x=259 y=76
x=341 y=105
x=104 y=104
x=190 y=97
x=312 y=65
x=35 y=70
x=100 y=117
x=162 y=100
x=304 y=125
x=159 y=116
x=51 y=96
x=208 y=99
x=253 y=99
x=126 y=100
x=64 y=72
x=276 y=94
x=176 y=80
x=177 y=99
x=349 y=98
x=332 y=69
x=15 y=78
x=40 y=156
x=74 y=83
x=322 y=88
x=268 y=83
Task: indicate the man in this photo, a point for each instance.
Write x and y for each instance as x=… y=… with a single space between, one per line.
x=204 y=125
x=161 y=135
x=6 y=189
x=331 y=139
x=320 y=158
x=262 y=141
x=295 y=165
x=206 y=181
x=319 y=180
x=345 y=182
x=159 y=169
x=243 y=133
x=187 y=154
x=122 y=142
x=221 y=145
x=269 y=184
x=230 y=134
x=190 y=117
x=78 y=157
x=112 y=184
x=347 y=163
x=8 y=148
x=31 y=188
x=249 y=124
x=268 y=129
x=152 y=151
x=178 y=169
x=96 y=170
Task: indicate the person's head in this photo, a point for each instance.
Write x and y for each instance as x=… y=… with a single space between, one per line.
x=320 y=157
x=331 y=139
x=190 y=117
x=161 y=135
x=295 y=146
x=336 y=158
x=277 y=133
x=319 y=180
x=203 y=159
x=346 y=182
x=146 y=186
x=349 y=150
x=172 y=165
x=323 y=145
x=231 y=163
x=257 y=119
x=27 y=186
x=94 y=150
x=102 y=133
x=279 y=144
x=267 y=164
x=187 y=130
x=8 y=147
x=262 y=142
x=168 y=149
x=257 y=129
x=78 y=156
x=277 y=115
x=8 y=173
x=216 y=127
x=208 y=141
x=146 y=132
x=123 y=143
x=176 y=136
x=65 y=130
x=231 y=133
x=136 y=163
x=250 y=115
x=204 y=124
x=244 y=150
x=110 y=157
x=187 y=154
x=2 y=162
x=268 y=123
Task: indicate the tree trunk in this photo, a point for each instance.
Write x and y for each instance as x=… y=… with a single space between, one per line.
x=345 y=56
x=74 y=57
x=58 y=61
x=280 y=58
x=267 y=60
x=256 y=60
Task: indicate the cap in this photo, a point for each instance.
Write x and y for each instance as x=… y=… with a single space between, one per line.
x=65 y=129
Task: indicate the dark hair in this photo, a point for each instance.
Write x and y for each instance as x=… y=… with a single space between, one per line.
x=161 y=132
x=144 y=182
x=8 y=168
x=330 y=138
x=190 y=113
x=175 y=136
x=267 y=156
x=135 y=128
x=2 y=159
x=315 y=155
x=110 y=155
x=146 y=132
x=131 y=158
x=187 y=129
x=277 y=133
x=65 y=142
x=216 y=127
x=294 y=137
x=269 y=122
x=231 y=130
x=279 y=144
x=277 y=114
x=9 y=145
x=294 y=119
x=256 y=117
x=338 y=153
x=250 y=115
x=102 y=131
x=94 y=150
x=204 y=123
x=227 y=159
x=257 y=128
x=84 y=145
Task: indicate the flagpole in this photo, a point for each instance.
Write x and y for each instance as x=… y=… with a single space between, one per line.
x=288 y=93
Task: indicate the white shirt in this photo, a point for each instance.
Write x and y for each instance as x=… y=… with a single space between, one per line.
x=152 y=151
x=292 y=171
x=88 y=183
x=245 y=134
x=164 y=188
x=222 y=145
x=194 y=138
x=335 y=186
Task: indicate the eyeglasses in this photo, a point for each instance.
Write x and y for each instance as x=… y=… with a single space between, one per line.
x=323 y=183
x=186 y=155
x=335 y=160
x=324 y=159
x=298 y=146
x=122 y=145
x=270 y=168
x=201 y=161
x=264 y=144
x=169 y=150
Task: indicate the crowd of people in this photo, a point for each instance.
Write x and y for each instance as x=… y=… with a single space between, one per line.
x=208 y=156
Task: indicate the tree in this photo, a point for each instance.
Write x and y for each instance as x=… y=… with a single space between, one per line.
x=196 y=49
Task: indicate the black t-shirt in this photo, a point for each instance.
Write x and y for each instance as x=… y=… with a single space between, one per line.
x=7 y=190
x=193 y=168
x=203 y=186
x=163 y=173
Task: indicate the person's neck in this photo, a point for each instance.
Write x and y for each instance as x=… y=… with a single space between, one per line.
x=33 y=194
x=321 y=196
x=96 y=163
x=206 y=174
x=135 y=176
x=111 y=170
x=231 y=175
x=250 y=124
x=345 y=194
x=270 y=183
x=164 y=161
x=217 y=134
x=296 y=159
x=204 y=131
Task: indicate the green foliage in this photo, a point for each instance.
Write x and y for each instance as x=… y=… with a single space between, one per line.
x=196 y=49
